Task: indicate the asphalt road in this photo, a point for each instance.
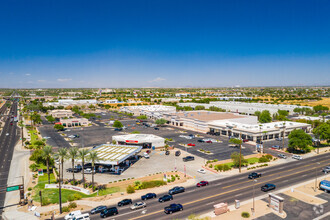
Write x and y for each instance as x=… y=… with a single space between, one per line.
x=239 y=187
x=7 y=144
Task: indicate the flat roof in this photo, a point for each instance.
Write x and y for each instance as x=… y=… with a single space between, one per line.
x=208 y=115
x=139 y=137
x=113 y=154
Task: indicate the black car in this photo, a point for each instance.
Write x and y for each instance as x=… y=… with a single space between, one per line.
x=191 y=135
x=188 y=158
x=165 y=198
x=176 y=190
x=109 y=212
x=173 y=208
x=254 y=175
x=148 y=196
x=268 y=187
x=201 y=140
x=125 y=202
x=118 y=129
x=74 y=170
x=98 y=209
x=167 y=152
x=156 y=128
x=177 y=153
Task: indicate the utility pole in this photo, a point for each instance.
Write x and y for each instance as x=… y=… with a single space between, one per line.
x=240 y=151
x=59 y=188
x=283 y=136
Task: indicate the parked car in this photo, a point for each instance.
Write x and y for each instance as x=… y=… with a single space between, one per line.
x=281 y=156
x=146 y=155
x=278 y=139
x=167 y=152
x=138 y=205
x=74 y=170
x=209 y=141
x=191 y=135
x=84 y=216
x=156 y=128
x=268 y=187
x=173 y=208
x=118 y=129
x=98 y=209
x=202 y=183
x=177 y=153
x=148 y=151
x=165 y=198
x=88 y=171
x=297 y=157
x=148 y=196
x=254 y=175
x=188 y=158
x=325 y=185
x=326 y=169
x=109 y=212
x=7 y=134
x=201 y=140
x=72 y=214
x=201 y=171
x=245 y=140
x=191 y=144
x=176 y=190
x=125 y=202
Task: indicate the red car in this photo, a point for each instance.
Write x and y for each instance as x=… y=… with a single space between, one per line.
x=210 y=142
x=245 y=140
x=148 y=151
x=191 y=144
x=202 y=183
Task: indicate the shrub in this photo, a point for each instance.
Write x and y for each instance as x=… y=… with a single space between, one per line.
x=226 y=167
x=245 y=215
x=77 y=196
x=263 y=159
x=152 y=184
x=210 y=166
x=71 y=198
x=45 y=201
x=269 y=157
x=30 y=188
x=218 y=167
x=65 y=209
x=215 y=160
x=168 y=180
x=72 y=205
x=173 y=178
x=130 y=189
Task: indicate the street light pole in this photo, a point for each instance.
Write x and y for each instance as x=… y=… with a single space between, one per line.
x=240 y=151
x=315 y=177
x=254 y=180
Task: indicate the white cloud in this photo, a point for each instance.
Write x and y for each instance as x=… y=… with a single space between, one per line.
x=63 y=80
x=28 y=74
x=158 y=79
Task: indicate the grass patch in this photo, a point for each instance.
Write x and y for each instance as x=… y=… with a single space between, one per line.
x=33 y=135
x=109 y=191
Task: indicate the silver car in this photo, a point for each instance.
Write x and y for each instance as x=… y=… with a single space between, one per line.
x=138 y=205
x=281 y=156
x=326 y=169
x=297 y=157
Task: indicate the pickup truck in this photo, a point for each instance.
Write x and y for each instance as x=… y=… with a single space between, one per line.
x=254 y=175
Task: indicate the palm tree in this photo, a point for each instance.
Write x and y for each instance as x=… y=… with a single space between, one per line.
x=73 y=154
x=47 y=153
x=21 y=124
x=93 y=157
x=62 y=154
x=82 y=154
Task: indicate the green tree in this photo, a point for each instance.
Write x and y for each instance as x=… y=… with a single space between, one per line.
x=298 y=139
x=265 y=117
x=59 y=127
x=320 y=108
x=47 y=152
x=62 y=155
x=322 y=132
x=117 y=124
x=235 y=158
x=235 y=141
x=73 y=154
x=50 y=118
x=142 y=117
x=36 y=118
x=93 y=157
x=199 y=107
x=160 y=121
x=82 y=154
x=257 y=113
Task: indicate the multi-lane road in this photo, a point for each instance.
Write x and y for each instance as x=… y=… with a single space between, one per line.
x=201 y=200
x=8 y=139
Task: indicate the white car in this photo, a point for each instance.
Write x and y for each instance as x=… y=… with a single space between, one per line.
x=88 y=171
x=72 y=214
x=7 y=134
x=297 y=157
x=201 y=171
x=146 y=155
x=46 y=138
x=138 y=205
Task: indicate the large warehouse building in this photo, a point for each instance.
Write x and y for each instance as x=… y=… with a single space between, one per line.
x=151 y=111
x=144 y=140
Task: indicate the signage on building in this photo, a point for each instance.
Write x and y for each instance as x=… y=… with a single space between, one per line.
x=131 y=141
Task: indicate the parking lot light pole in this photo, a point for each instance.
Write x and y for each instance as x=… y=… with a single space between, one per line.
x=240 y=151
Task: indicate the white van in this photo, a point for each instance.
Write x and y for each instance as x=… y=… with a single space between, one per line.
x=82 y=217
x=72 y=214
x=146 y=155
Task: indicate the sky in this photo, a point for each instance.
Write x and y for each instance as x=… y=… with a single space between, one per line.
x=164 y=43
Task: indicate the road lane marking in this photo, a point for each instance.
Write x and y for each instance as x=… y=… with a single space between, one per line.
x=219 y=194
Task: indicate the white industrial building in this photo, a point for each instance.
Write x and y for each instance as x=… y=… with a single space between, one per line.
x=151 y=111
x=74 y=122
x=246 y=108
x=144 y=140
x=67 y=102
x=60 y=113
